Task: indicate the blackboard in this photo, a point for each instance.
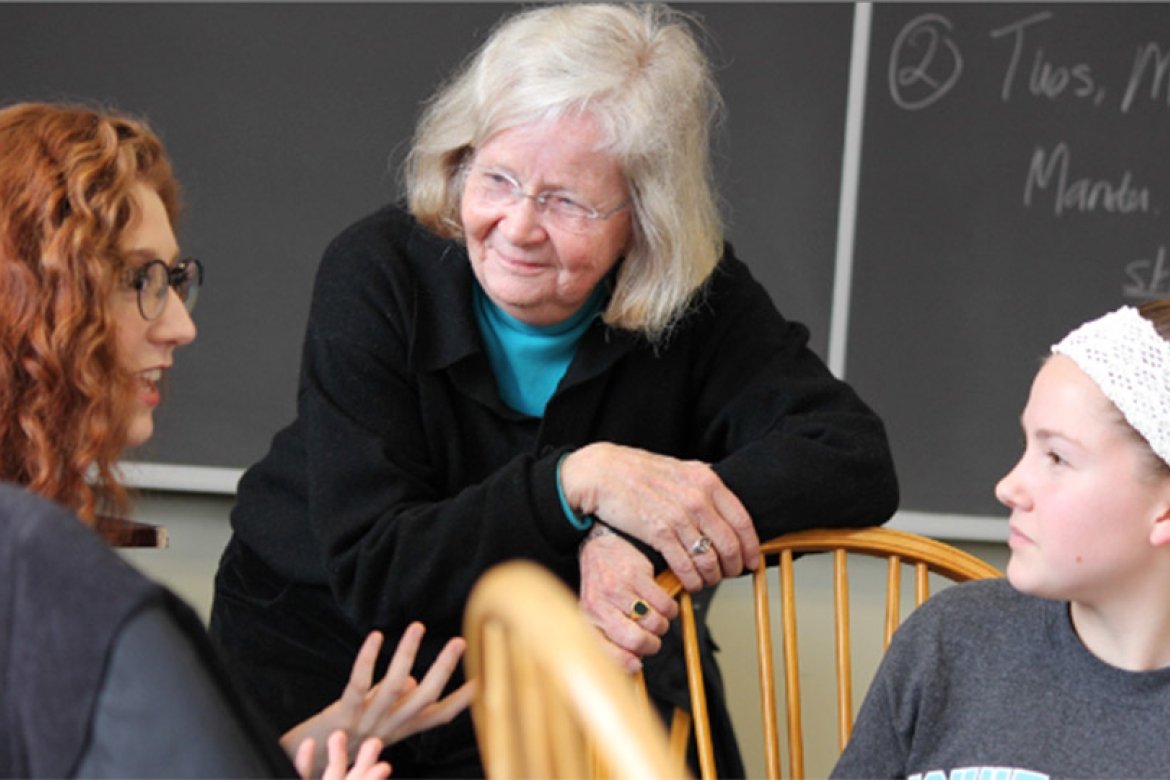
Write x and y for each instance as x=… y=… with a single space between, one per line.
x=1014 y=181
x=286 y=122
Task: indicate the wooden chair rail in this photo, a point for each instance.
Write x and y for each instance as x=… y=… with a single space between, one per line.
x=120 y=532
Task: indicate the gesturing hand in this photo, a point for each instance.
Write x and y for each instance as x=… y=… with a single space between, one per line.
x=365 y=767
x=397 y=706
x=670 y=504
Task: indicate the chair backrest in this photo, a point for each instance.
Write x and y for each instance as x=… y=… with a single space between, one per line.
x=549 y=702
x=921 y=554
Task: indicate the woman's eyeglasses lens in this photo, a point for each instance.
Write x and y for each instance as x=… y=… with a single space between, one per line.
x=154 y=279
x=558 y=208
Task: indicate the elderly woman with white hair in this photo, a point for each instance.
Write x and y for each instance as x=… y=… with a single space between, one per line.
x=549 y=352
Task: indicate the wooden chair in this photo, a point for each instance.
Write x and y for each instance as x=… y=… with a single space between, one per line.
x=899 y=549
x=120 y=532
x=550 y=703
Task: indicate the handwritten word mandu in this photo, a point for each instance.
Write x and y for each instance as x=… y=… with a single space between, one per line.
x=1051 y=171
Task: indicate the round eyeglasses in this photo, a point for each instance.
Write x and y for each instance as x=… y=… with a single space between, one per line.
x=153 y=280
x=559 y=208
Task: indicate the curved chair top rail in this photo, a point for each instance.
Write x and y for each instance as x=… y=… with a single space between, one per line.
x=876 y=541
x=922 y=554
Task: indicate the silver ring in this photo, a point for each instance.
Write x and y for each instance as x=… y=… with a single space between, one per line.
x=701 y=545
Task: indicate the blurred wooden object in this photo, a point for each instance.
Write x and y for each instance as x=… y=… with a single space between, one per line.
x=922 y=555
x=550 y=703
x=120 y=532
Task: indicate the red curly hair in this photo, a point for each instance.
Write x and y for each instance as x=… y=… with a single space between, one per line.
x=66 y=176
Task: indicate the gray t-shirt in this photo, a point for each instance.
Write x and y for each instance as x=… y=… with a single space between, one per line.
x=985 y=683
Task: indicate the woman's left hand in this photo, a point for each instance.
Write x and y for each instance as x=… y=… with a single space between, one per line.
x=680 y=508
x=397 y=706
x=615 y=576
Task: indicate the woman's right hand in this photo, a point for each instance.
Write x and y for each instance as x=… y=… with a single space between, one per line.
x=614 y=575
x=396 y=707
x=667 y=503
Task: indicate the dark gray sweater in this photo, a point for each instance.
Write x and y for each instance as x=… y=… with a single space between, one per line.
x=104 y=673
x=985 y=683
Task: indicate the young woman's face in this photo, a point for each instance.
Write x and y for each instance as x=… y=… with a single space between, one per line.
x=147 y=348
x=529 y=266
x=1083 y=499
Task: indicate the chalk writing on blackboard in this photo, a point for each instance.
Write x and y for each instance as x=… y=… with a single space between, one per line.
x=1045 y=77
x=1051 y=170
x=925 y=62
x=1151 y=68
x=1149 y=277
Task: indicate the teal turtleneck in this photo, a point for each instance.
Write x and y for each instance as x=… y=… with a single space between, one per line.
x=529 y=360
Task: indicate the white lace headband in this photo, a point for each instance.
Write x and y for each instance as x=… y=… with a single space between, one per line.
x=1123 y=353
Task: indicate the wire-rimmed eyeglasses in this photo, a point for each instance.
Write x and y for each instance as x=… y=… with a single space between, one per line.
x=560 y=208
x=152 y=281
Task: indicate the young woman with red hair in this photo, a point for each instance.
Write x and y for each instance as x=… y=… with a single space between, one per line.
x=95 y=300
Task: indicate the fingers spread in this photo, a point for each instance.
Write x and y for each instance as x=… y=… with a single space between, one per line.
x=338 y=756
x=362 y=674
x=303 y=760
x=420 y=707
x=444 y=710
x=404 y=654
x=367 y=766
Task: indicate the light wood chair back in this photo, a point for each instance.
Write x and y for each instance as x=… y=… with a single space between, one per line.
x=549 y=702
x=920 y=554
